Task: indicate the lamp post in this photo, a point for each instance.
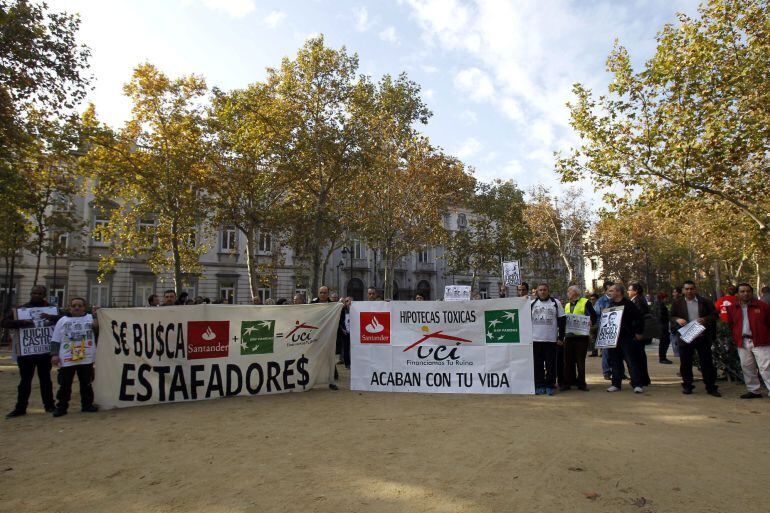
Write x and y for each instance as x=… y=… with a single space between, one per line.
x=340 y=265
x=345 y=252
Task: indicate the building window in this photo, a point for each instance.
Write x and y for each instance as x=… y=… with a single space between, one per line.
x=484 y=291
x=263 y=293
x=594 y=264
x=462 y=221
x=59 y=243
x=423 y=256
x=100 y=223
x=191 y=287
x=146 y=225
x=98 y=293
x=57 y=293
x=142 y=290
x=229 y=239
x=358 y=249
x=265 y=243
x=227 y=292
x=4 y=293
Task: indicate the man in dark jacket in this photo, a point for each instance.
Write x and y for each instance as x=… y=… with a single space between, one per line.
x=631 y=328
x=636 y=295
x=28 y=364
x=693 y=307
x=661 y=313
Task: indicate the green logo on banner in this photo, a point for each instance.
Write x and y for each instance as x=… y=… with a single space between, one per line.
x=257 y=337
x=502 y=326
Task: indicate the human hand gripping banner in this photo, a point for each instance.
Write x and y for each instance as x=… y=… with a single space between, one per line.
x=480 y=347
x=187 y=353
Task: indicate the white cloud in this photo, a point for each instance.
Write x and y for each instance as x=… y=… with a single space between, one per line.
x=469 y=117
x=274 y=18
x=428 y=68
x=362 y=20
x=428 y=94
x=235 y=8
x=511 y=109
x=470 y=147
x=512 y=169
x=476 y=83
x=389 y=35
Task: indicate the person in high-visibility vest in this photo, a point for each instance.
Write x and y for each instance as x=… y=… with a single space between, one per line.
x=581 y=316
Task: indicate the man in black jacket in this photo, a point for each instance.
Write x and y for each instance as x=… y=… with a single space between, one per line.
x=28 y=364
x=636 y=295
x=631 y=328
x=693 y=307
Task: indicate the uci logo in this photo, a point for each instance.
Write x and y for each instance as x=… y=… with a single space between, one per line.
x=439 y=353
x=301 y=337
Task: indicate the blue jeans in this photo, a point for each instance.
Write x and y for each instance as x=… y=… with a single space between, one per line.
x=606 y=366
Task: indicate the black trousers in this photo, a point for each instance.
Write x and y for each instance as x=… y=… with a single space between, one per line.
x=686 y=351
x=27 y=366
x=66 y=376
x=575 y=351
x=346 y=351
x=625 y=352
x=641 y=360
x=544 y=354
x=560 y=365
x=665 y=342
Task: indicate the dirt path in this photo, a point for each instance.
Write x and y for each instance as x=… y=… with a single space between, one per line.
x=346 y=451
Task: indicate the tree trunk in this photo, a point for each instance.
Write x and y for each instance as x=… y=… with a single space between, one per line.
x=717 y=278
x=251 y=262
x=38 y=251
x=177 y=258
x=316 y=254
x=387 y=260
x=568 y=266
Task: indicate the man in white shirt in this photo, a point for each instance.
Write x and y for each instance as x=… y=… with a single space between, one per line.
x=73 y=348
x=547 y=332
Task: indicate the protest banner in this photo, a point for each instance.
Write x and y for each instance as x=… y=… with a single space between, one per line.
x=511 y=273
x=577 y=324
x=37 y=339
x=691 y=331
x=186 y=353
x=609 y=330
x=442 y=347
x=457 y=293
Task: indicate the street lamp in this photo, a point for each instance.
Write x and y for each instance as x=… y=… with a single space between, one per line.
x=345 y=252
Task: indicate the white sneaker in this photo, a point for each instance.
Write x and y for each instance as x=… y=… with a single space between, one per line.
x=638 y=390
x=613 y=388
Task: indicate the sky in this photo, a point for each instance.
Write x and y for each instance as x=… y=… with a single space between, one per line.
x=497 y=74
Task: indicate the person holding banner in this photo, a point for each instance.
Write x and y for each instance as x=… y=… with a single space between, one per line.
x=630 y=333
x=547 y=333
x=36 y=357
x=73 y=347
x=580 y=316
x=692 y=307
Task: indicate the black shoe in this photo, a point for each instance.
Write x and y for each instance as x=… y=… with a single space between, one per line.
x=50 y=409
x=594 y=354
x=687 y=391
x=751 y=395
x=90 y=409
x=332 y=386
x=584 y=388
x=666 y=361
x=608 y=377
x=15 y=413
x=59 y=413
x=714 y=393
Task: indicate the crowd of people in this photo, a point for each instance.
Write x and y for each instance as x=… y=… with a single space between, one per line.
x=559 y=353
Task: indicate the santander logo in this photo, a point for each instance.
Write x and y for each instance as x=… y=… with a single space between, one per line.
x=375 y=328
x=208 y=335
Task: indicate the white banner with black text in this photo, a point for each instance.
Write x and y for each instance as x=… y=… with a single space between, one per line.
x=187 y=353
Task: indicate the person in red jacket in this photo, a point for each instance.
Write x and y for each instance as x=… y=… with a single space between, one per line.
x=725 y=301
x=749 y=321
